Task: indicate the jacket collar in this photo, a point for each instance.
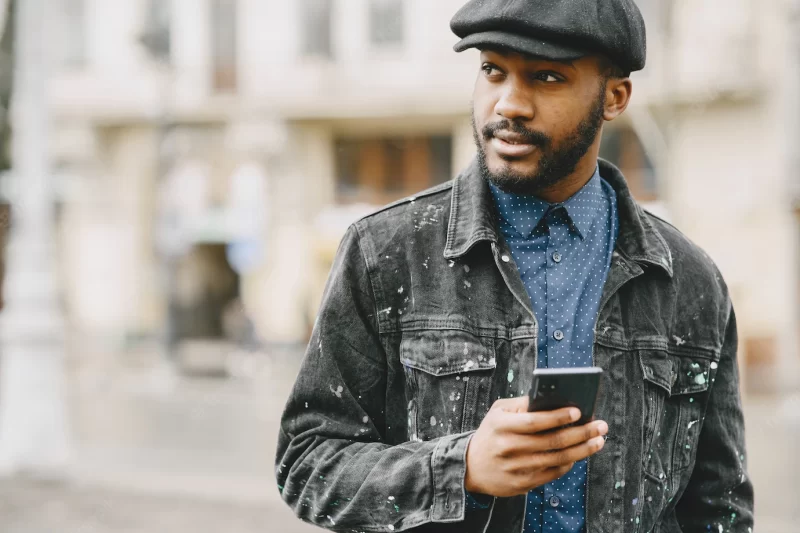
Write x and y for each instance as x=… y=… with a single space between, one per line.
x=473 y=218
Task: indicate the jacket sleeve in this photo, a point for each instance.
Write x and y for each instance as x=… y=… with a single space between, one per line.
x=720 y=494
x=333 y=465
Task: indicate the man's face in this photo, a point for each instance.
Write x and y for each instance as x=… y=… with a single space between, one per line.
x=535 y=119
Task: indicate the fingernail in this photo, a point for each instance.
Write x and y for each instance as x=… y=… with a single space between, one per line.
x=599 y=442
x=574 y=414
x=602 y=428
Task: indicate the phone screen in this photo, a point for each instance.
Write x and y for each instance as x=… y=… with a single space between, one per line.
x=554 y=388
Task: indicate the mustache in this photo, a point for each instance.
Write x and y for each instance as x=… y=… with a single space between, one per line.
x=536 y=138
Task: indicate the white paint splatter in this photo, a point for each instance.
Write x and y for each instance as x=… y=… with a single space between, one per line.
x=451 y=264
x=700 y=379
x=679 y=341
x=338 y=391
x=390 y=527
x=466 y=348
x=467 y=284
x=469 y=365
x=466 y=269
x=433 y=421
x=331 y=519
x=400 y=290
x=365 y=419
x=693 y=422
x=714 y=365
x=386 y=311
x=510 y=376
x=391 y=498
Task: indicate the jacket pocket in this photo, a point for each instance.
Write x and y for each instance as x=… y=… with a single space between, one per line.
x=674 y=400
x=448 y=380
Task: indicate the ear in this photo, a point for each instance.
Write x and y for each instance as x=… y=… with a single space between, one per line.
x=618 y=96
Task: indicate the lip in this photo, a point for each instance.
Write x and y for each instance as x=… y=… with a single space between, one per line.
x=508 y=148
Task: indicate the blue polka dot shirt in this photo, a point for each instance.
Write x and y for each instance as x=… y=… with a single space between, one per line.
x=563 y=253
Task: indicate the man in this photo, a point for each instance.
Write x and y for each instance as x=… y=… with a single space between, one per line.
x=410 y=410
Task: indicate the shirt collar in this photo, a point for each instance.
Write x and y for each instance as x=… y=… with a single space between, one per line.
x=473 y=219
x=524 y=213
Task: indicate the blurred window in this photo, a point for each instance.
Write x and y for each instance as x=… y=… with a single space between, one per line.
x=386 y=22
x=316 y=19
x=223 y=44
x=622 y=147
x=71 y=48
x=157 y=36
x=380 y=170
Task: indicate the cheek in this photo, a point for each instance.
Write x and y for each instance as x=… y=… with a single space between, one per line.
x=483 y=104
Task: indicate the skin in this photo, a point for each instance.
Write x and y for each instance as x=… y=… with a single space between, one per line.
x=553 y=107
x=542 y=105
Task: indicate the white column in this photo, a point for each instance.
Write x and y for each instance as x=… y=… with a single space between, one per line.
x=33 y=425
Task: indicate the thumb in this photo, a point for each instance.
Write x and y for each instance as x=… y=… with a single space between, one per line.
x=512 y=405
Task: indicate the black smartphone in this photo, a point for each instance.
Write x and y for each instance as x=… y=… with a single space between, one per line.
x=554 y=388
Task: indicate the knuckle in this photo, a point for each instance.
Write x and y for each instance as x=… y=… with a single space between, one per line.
x=504 y=446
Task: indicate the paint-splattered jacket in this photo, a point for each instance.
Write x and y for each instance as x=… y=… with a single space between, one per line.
x=424 y=316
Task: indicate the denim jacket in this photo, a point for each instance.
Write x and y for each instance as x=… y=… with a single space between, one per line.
x=425 y=323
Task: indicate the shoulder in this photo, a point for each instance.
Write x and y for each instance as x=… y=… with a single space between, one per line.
x=694 y=271
x=428 y=207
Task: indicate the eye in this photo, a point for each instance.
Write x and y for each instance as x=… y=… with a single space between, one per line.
x=548 y=77
x=490 y=70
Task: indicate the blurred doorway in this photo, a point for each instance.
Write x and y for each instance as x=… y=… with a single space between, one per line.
x=206 y=287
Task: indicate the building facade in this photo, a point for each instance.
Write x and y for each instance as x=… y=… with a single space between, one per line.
x=240 y=150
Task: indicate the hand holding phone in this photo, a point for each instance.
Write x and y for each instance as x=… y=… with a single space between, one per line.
x=514 y=450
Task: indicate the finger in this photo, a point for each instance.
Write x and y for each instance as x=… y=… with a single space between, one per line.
x=568 y=437
x=569 y=455
x=531 y=423
x=515 y=445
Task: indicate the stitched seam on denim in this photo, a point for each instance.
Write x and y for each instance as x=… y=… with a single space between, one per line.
x=376 y=294
x=678 y=351
x=494 y=332
x=451 y=224
x=434 y=475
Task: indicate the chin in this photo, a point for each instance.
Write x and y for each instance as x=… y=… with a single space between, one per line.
x=516 y=167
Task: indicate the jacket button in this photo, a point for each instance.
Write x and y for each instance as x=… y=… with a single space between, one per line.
x=556 y=257
x=558 y=335
x=505 y=259
x=554 y=501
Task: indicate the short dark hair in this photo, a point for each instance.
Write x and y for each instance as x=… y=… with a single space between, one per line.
x=611 y=69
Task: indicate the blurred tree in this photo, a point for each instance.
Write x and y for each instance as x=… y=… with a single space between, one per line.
x=6 y=82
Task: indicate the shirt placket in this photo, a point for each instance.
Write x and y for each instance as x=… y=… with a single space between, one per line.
x=557 y=332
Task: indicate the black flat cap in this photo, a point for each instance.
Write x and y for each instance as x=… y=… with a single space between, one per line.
x=555 y=29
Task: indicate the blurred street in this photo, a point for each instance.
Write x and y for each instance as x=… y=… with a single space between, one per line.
x=156 y=452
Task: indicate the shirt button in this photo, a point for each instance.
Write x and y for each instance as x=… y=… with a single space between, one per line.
x=554 y=501
x=505 y=259
x=556 y=257
x=558 y=335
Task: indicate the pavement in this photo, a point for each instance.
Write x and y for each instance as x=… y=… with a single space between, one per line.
x=158 y=451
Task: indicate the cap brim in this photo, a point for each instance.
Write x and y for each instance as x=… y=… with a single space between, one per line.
x=519 y=43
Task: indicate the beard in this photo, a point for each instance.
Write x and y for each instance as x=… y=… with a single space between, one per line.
x=557 y=161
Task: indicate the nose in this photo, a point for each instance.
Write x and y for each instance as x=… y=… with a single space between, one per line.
x=514 y=105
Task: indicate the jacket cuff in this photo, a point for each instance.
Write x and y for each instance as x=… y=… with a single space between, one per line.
x=449 y=465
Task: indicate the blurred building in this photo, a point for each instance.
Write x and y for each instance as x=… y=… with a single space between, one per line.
x=269 y=126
